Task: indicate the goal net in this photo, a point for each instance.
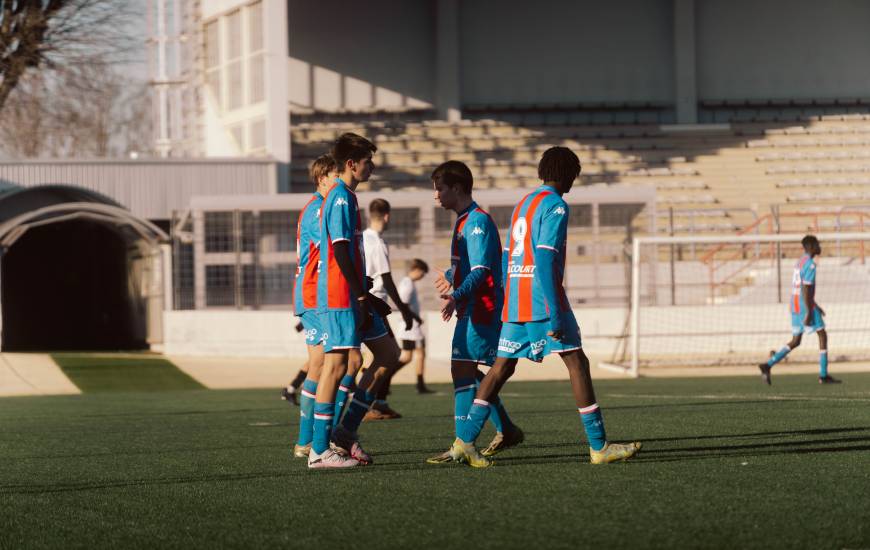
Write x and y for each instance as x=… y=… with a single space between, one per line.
x=724 y=300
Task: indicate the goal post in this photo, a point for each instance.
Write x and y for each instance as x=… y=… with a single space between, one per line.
x=724 y=300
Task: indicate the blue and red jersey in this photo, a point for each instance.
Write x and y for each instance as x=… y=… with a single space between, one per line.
x=339 y=221
x=540 y=220
x=307 y=255
x=476 y=246
x=804 y=275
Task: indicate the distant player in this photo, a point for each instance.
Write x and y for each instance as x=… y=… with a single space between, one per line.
x=472 y=288
x=413 y=342
x=322 y=173
x=383 y=286
x=537 y=317
x=806 y=314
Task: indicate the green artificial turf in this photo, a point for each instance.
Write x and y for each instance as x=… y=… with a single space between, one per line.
x=113 y=373
x=726 y=463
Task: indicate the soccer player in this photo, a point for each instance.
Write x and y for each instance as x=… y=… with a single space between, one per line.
x=413 y=342
x=378 y=269
x=806 y=314
x=305 y=296
x=472 y=288
x=537 y=317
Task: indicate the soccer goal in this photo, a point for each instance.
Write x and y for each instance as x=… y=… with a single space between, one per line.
x=724 y=300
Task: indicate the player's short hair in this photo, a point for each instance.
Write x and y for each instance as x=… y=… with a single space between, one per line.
x=559 y=164
x=454 y=173
x=809 y=241
x=417 y=263
x=379 y=208
x=350 y=146
x=321 y=166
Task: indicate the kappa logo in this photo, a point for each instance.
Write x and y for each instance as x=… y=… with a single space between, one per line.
x=340 y=202
x=318 y=213
x=455 y=351
x=559 y=210
x=478 y=231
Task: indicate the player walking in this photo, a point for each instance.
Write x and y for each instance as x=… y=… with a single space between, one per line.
x=537 y=318
x=806 y=314
x=413 y=342
x=472 y=287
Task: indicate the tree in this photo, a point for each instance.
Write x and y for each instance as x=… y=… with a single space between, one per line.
x=36 y=35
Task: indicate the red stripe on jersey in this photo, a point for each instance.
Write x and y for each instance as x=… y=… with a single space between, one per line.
x=524 y=306
x=309 y=283
x=505 y=310
x=483 y=305
x=299 y=250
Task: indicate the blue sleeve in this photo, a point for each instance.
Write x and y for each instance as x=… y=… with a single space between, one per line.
x=341 y=219
x=553 y=228
x=505 y=257
x=449 y=275
x=809 y=273
x=480 y=239
x=545 y=259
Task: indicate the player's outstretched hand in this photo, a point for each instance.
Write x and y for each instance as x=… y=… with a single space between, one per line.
x=299 y=327
x=448 y=306
x=442 y=285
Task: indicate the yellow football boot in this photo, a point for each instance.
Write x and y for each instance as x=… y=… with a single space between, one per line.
x=613 y=452
x=467 y=453
x=444 y=458
x=504 y=441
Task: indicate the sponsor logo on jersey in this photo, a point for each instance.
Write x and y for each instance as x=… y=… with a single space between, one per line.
x=478 y=231
x=517 y=268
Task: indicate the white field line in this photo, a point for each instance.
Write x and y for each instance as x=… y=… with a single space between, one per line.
x=740 y=396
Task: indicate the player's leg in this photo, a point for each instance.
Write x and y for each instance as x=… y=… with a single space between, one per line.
x=419 y=360
x=290 y=391
x=824 y=377
x=385 y=361
x=797 y=332
x=307 y=400
x=380 y=409
x=507 y=434
x=347 y=385
x=339 y=336
x=463 y=373
x=601 y=452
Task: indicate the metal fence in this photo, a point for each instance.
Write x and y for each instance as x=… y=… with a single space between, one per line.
x=239 y=252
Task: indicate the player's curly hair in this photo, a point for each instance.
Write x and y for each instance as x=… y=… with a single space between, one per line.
x=350 y=146
x=452 y=173
x=809 y=241
x=559 y=164
x=321 y=166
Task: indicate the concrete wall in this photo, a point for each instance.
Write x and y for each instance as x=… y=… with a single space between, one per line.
x=782 y=49
x=349 y=55
x=514 y=51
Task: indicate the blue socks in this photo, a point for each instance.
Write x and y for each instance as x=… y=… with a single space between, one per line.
x=593 y=423
x=345 y=387
x=463 y=397
x=357 y=409
x=823 y=363
x=779 y=356
x=471 y=428
x=323 y=414
x=306 y=412
x=498 y=416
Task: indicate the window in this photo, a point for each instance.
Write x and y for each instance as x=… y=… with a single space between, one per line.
x=219 y=234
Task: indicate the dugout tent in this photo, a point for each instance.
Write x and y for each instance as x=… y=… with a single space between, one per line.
x=77 y=272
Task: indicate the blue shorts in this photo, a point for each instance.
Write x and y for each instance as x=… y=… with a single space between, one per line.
x=530 y=340
x=311 y=327
x=797 y=323
x=340 y=329
x=475 y=342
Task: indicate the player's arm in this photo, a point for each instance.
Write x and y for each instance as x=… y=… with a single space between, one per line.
x=551 y=234
x=478 y=243
x=808 y=287
x=341 y=226
x=390 y=286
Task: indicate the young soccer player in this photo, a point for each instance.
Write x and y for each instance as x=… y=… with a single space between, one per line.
x=472 y=288
x=305 y=296
x=383 y=286
x=806 y=314
x=413 y=342
x=537 y=317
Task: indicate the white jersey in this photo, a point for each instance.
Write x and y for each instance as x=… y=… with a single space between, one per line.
x=408 y=294
x=377 y=260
